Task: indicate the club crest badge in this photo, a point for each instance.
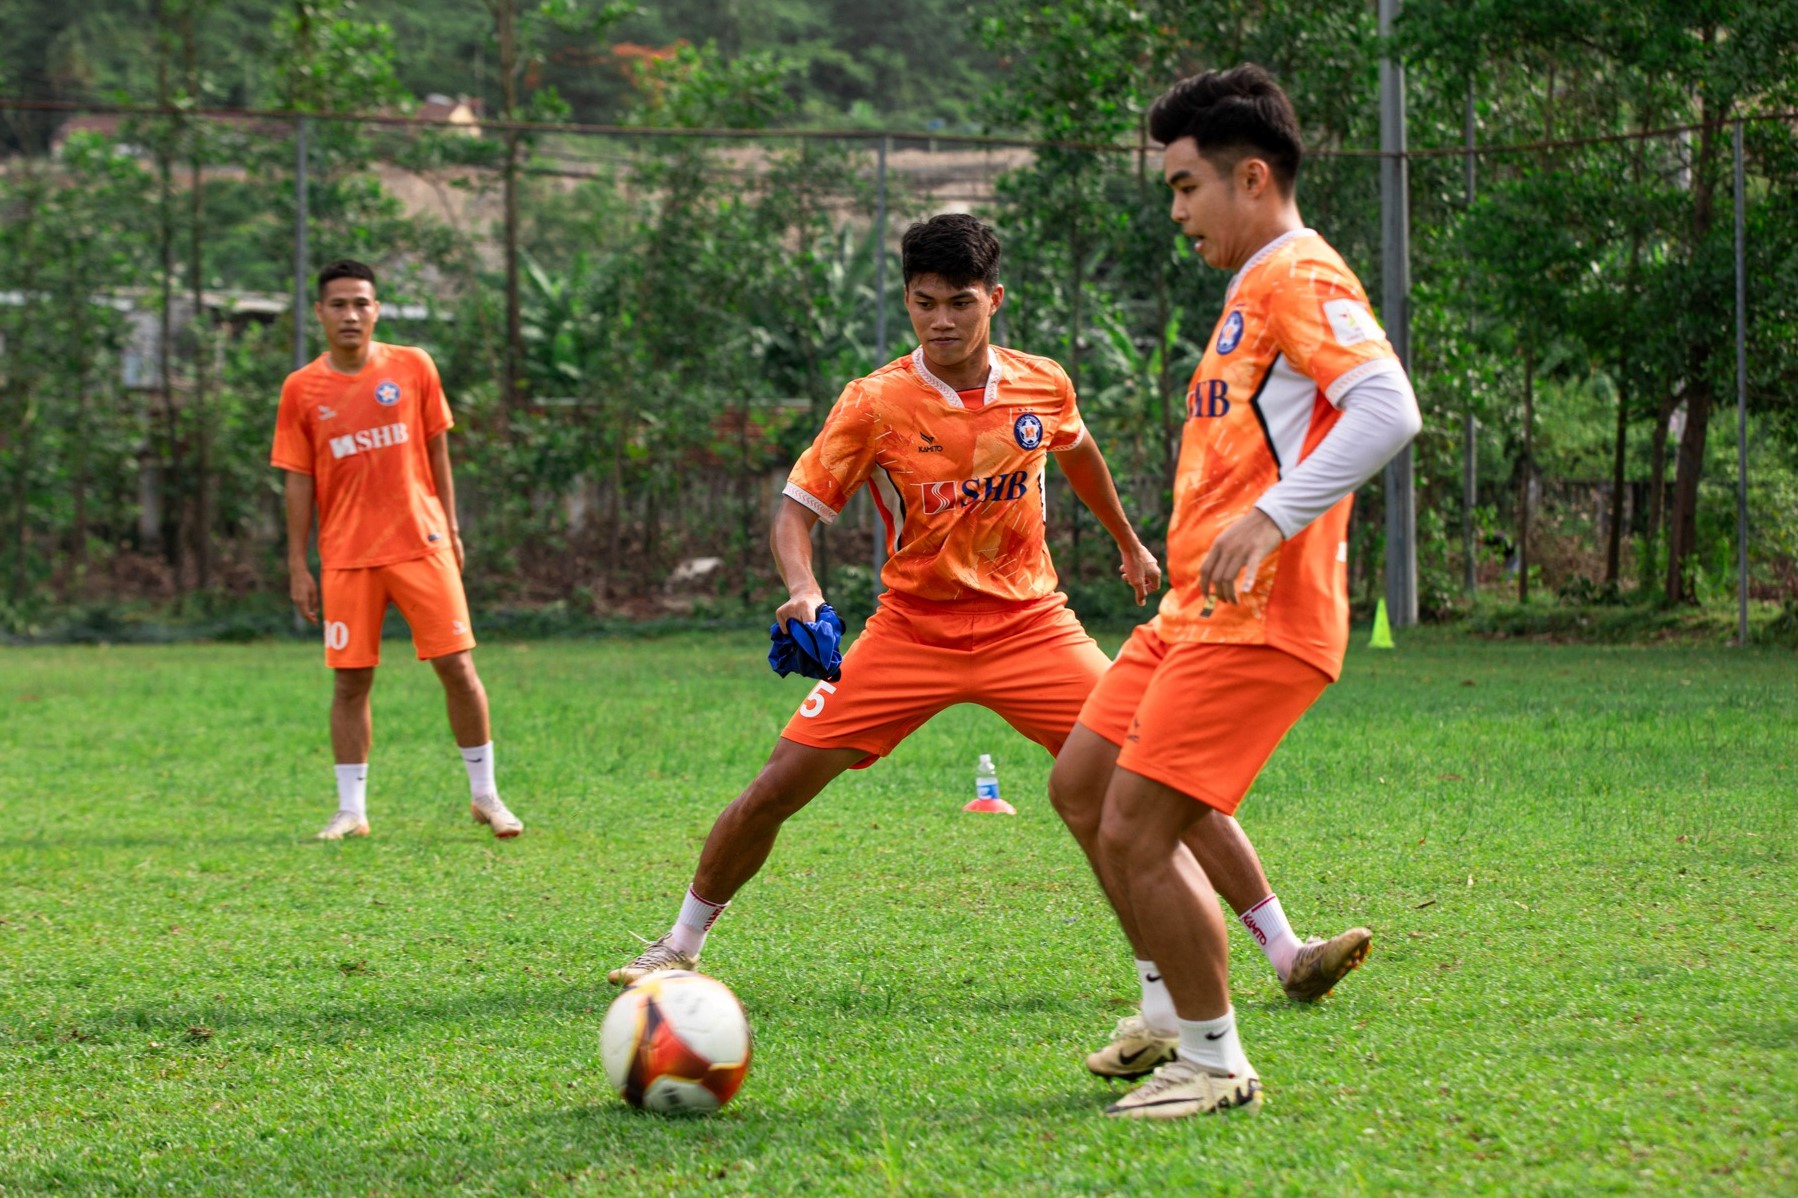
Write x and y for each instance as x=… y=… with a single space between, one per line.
x=1028 y=430
x=387 y=394
x=1230 y=336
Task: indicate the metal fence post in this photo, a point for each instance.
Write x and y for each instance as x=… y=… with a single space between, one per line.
x=1470 y=445
x=1395 y=237
x=1741 y=395
x=300 y=356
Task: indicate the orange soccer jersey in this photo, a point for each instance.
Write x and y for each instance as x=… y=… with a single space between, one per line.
x=958 y=482
x=362 y=437
x=1295 y=335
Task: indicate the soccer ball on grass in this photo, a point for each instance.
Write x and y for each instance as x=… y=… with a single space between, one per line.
x=676 y=1041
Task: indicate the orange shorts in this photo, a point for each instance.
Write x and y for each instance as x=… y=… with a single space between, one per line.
x=1200 y=718
x=428 y=592
x=1031 y=663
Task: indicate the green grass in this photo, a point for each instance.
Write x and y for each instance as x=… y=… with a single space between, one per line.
x=1578 y=864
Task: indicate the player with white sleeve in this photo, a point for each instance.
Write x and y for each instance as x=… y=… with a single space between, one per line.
x=1299 y=399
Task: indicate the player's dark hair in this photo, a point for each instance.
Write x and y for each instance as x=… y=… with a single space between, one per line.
x=344 y=268
x=955 y=247
x=1231 y=115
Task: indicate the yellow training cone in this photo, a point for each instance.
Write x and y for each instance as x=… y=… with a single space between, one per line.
x=1382 y=630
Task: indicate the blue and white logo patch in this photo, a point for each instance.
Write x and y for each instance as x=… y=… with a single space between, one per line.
x=387 y=394
x=1028 y=430
x=1230 y=336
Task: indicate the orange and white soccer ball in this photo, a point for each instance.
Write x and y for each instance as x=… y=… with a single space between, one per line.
x=676 y=1041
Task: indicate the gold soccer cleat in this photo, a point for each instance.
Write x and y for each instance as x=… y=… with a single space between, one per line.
x=655 y=957
x=1320 y=964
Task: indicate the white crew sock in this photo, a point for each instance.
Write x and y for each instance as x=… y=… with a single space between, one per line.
x=1266 y=922
x=479 y=760
x=1211 y=1044
x=696 y=919
x=1157 y=1003
x=352 y=789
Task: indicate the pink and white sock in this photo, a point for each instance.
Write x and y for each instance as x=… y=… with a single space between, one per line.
x=696 y=919
x=1266 y=923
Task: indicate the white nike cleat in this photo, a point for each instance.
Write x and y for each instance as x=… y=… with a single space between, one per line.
x=1181 y=1088
x=345 y=823
x=1135 y=1049
x=487 y=809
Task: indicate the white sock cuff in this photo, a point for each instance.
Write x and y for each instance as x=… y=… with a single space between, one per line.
x=478 y=760
x=697 y=913
x=1213 y=1045
x=352 y=787
x=1266 y=921
x=1157 y=1007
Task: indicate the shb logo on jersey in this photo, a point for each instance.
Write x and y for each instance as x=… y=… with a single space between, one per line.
x=1208 y=398
x=387 y=394
x=1028 y=429
x=363 y=440
x=1231 y=335
x=952 y=493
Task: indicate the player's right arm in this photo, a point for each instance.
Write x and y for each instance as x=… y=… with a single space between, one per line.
x=300 y=494
x=791 y=540
x=819 y=485
x=293 y=455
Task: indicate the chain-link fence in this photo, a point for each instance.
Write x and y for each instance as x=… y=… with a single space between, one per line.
x=640 y=329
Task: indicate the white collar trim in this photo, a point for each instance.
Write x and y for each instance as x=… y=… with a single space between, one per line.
x=1261 y=255
x=946 y=391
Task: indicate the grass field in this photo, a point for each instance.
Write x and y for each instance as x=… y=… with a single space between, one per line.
x=1578 y=864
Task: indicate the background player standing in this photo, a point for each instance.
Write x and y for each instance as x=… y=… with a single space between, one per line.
x=362 y=434
x=953 y=440
x=1298 y=399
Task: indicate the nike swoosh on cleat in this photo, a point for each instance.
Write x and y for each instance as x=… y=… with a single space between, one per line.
x=1130 y=1058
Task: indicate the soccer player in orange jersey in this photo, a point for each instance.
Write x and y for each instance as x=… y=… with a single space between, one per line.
x=953 y=439
x=1298 y=399
x=362 y=433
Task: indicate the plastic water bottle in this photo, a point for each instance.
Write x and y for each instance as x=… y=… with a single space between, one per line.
x=986 y=789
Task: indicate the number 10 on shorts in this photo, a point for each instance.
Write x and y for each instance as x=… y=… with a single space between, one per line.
x=814 y=702
x=337 y=634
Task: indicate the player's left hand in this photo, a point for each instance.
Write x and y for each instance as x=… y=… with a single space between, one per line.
x=456 y=547
x=1240 y=547
x=1140 y=569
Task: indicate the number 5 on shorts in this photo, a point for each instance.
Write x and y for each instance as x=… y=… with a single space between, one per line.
x=814 y=702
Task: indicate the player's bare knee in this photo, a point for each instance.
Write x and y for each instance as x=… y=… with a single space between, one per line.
x=350 y=686
x=457 y=672
x=1078 y=803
